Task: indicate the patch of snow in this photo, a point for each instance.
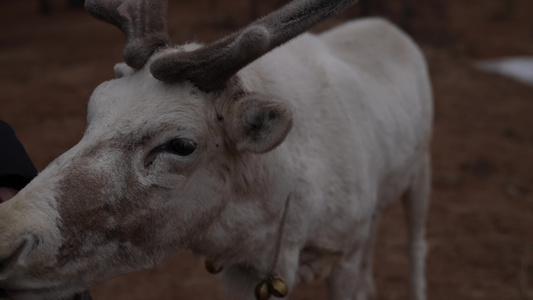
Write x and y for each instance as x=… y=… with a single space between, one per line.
x=518 y=68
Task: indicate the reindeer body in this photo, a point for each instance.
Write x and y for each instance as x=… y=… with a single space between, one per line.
x=362 y=124
x=338 y=123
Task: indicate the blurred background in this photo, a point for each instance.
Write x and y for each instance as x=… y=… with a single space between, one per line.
x=480 y=227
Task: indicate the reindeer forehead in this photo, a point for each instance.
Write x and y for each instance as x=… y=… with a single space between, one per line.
x=136 y=100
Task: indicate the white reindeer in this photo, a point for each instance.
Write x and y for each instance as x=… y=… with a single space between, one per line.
x=274 y=163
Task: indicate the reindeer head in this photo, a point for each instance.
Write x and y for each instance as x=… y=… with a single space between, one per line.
x=176 y=154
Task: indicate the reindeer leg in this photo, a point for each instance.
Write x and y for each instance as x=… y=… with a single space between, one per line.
x=348 y=276
x=341 y=280
x=416 y=202
x=365 y=290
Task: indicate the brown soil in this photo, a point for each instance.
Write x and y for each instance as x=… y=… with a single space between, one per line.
x=480 y=227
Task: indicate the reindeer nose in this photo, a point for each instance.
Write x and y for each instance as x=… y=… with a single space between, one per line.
x=14 y=255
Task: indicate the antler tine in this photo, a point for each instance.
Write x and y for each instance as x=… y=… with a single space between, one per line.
x=142 y=22
x=211 y=66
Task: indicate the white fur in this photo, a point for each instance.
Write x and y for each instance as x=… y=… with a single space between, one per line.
x=361 y=125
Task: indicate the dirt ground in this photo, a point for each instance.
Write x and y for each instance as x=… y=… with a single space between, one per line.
x=480 y=226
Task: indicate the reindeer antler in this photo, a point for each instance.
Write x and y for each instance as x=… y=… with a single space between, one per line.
x=211 y=66
x=142 y=22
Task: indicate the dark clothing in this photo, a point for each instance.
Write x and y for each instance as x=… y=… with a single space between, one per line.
x=16 y=168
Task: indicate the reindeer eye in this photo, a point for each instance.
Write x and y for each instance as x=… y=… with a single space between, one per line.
x=183 y=146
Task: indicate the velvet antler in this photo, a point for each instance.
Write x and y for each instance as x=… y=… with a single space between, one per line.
x=211 y=66
x=142 y=22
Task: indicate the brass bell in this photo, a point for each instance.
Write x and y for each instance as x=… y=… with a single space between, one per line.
x=211 y=266
x=262 y=291
x=278 y=287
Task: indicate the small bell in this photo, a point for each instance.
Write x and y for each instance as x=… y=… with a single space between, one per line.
x=211 y=266
x=278 y=287
x=262 y=291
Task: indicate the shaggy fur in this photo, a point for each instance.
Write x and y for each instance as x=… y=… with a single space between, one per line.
x=341 y=121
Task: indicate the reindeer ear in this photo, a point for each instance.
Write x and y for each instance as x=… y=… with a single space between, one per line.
x=258 y=124
x=122 y=69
